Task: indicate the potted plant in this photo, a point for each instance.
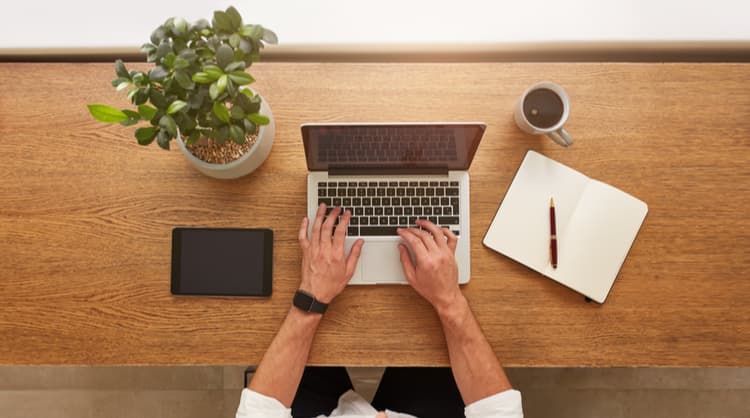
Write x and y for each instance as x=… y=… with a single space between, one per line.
x=198 y=92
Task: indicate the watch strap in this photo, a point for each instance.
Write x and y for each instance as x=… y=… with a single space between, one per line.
x=307 y=302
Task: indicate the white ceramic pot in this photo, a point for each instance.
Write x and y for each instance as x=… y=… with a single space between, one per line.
x=244 y=165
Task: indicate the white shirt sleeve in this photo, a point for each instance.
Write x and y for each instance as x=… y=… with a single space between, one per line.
x=256 y=405
x=500 y=405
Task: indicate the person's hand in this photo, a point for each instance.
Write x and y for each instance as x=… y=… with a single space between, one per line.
x=325 y=270
x=435 y=277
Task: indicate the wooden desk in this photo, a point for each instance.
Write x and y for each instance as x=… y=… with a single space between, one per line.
x=86 y=217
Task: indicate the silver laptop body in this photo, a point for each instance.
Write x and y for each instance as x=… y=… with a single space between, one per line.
x=388 y=175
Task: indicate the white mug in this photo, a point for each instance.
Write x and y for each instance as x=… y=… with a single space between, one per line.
x=540 y=112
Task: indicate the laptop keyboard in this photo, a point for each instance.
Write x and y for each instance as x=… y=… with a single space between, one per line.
x=380 y=207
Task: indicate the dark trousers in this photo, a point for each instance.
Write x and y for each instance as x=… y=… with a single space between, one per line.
x=424 y=392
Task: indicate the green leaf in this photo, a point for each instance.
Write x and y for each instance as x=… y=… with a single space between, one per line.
x=237 y=113
x=193 y=138
x=237 y=134
x=241 y=78
x=236 y=66
x=221 y=83
x=270 y=37
x=147 y=112
x=258 y=119
x=222 y=134
x=120 y=70
x=180 y=26
x=221 y=112
x=157 y=99
x=116 y=82
x=146 y=136
x=188 y=54
x=222 y=21
x=181 y=63
x=184 y=80
x=213 y=91
x=213 y=72
x=168 y=60
x=168 y=124
x=163 y=139
x=104 y=113
x=234 y=40
x=163 y=49
x=250 y=127
x=202 y=78
x=133 y=118
x=175 y=107
x=234 y=18
x=122 y=86
x=158 y=73
x=224 y=55
x=253 y=31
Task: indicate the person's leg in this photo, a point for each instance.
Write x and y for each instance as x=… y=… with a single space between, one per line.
x=420 y=391
x=319 y=391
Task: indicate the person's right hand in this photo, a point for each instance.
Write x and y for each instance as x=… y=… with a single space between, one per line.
x=435 y=277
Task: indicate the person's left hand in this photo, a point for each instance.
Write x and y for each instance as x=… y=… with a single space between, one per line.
x=325 y=269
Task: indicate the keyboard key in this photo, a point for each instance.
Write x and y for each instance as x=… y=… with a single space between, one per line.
x=443 y=183
x=383 y=184
x=403 y=184
x=359 y=211
x=393 y=220
x=396 y=201
x=437 y=210
x=412 y=220
x=332 y=192
x=377 y=230
x=342 y=184
x=430 y=192
x=439 y=192
x=415 y=201
x=451 y=191
x=372 y=184
x=425 y=201
x=370 y=192
x=368 y=211
x=407 y=210
x=388 y=211
x=351 y=192
x=352 y=230
x=427 y=210
x=448 y=220
x=364 y=221
x=433 y=219
x=424 y=183
x=390 y=192
x=381 y=192
x=410 y=192
x=352 y=184
x=366 y=201
x=434 y=201
x=337 y=201
x=321 y=184
x=361 y=192
x=321 y=192
x=383 y=220
x=398 y=211
x=420 y=192
x=378 y=211
x=332 y=184
x=362 y=184
x=386 y=201
x=376 y=201
x=433 y=183
x=392 y=184
x=413 y=184
x=373 y=221
x=402 y=220
x=357 y=201
x=347 y=201
x=454 y=184
x=418 y=211
x=456 y=232
x=454 y=201
x=400 y=191
x=447 y=210
x=445 y=201
x=324 y=200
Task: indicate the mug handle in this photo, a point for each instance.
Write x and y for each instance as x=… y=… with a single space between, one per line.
x=561 y=137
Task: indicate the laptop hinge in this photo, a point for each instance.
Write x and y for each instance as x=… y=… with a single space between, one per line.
x=380 y=171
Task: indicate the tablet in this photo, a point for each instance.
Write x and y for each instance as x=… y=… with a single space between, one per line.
x=222 y=262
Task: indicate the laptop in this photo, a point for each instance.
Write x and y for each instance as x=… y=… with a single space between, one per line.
x=389 y=175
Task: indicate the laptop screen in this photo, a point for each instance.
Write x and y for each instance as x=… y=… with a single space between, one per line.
x=391 y=146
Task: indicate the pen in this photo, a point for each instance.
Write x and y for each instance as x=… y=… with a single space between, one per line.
x=552 y=233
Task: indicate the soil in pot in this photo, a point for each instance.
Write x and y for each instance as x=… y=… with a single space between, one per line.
x=212 y=152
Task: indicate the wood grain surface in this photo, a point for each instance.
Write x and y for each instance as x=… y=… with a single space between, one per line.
x=86 y=216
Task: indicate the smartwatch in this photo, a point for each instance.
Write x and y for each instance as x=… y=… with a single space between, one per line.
x=307 y=302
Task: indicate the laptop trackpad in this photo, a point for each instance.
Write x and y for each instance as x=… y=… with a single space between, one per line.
x=382 y=263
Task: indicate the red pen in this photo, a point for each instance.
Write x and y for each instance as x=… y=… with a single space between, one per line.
x=553 y=233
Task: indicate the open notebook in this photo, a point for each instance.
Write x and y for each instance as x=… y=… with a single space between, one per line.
x=596 y=225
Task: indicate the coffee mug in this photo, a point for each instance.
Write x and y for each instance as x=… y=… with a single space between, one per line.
x=543 y=109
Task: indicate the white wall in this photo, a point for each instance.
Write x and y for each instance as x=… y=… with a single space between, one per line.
x=128 y=23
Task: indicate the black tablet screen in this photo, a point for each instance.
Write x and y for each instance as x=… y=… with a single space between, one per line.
x=233 y=262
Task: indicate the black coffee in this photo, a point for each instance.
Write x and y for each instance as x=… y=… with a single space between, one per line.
x=543 y=108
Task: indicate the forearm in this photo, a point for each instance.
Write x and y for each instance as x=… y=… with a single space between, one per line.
x=281 y=368
x=477 y=371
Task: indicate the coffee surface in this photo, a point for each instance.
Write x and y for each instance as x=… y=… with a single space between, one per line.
x=543 y=108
